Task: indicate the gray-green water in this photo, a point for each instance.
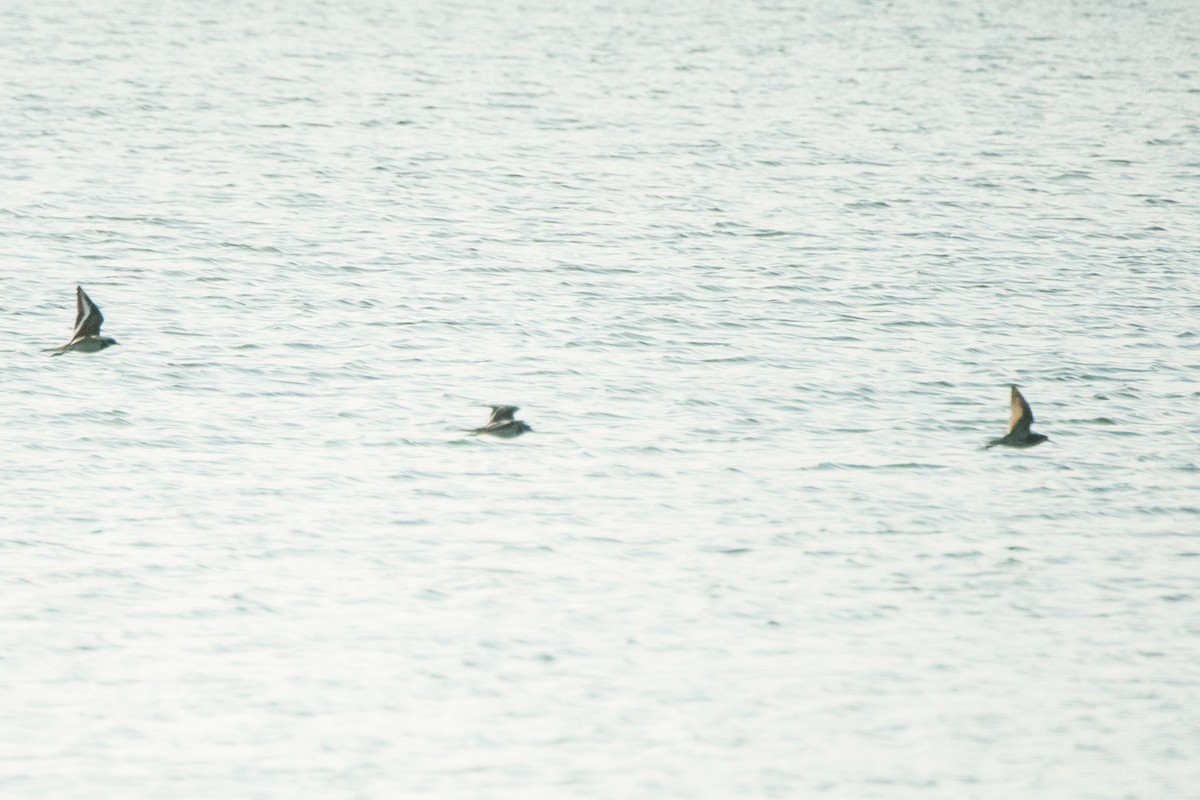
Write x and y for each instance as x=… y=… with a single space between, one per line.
x=758 y=275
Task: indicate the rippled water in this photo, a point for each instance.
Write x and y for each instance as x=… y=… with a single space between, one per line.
x=758 y=275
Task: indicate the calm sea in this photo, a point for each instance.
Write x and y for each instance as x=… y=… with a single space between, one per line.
x=758 y=274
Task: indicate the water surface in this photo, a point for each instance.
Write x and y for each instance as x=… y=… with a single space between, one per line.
x=758 y=274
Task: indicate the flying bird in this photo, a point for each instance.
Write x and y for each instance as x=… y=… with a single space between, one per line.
x=502 y=424
x=1019 y=421
x=86 y=337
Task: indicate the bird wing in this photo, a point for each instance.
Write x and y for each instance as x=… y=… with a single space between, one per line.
x=1021 y=417
x=502 y=414
x=88 y=318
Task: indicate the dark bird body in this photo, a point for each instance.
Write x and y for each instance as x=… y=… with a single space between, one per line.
x=86 y=337
x=1019 y=421
x=502 y=424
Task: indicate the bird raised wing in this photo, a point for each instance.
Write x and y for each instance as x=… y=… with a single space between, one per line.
x=1021 y=417
x=88 y=318
x=502 y=414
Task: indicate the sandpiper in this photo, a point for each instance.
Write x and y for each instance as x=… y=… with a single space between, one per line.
x=1019 y=421
x=502 y=424
x=86 y=337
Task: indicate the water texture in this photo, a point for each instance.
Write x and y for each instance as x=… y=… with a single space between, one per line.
x=757 y=273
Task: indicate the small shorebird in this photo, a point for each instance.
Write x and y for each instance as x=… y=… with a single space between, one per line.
x=502 y=424
x=86 y=337
x=1019 y=421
